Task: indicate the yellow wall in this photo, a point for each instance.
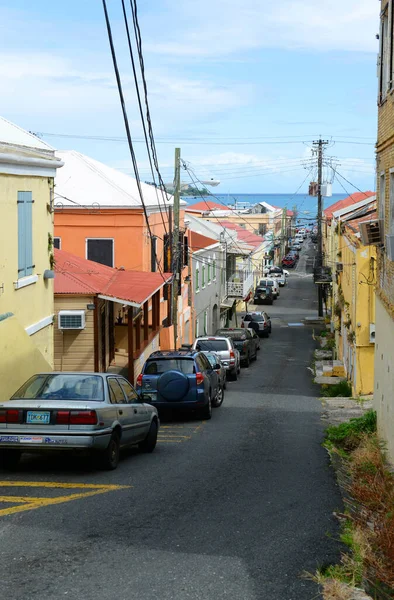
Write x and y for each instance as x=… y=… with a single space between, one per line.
x=20 y=357
x=33 y=303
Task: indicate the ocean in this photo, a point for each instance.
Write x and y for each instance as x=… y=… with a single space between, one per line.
x=306 y=205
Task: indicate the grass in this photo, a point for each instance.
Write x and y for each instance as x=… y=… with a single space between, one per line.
x=342 y=389
x=368 y=530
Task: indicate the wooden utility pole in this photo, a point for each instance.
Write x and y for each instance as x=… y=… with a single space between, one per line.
x=319 y=145
x=175 y=244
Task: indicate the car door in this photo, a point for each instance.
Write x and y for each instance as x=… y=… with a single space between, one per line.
x=205 y=368
x=125 y=415
x=140 y=413
x=251 y=341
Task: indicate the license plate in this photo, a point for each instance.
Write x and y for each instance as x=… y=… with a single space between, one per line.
x=29 y=439
x=151 y=397
x=42 y=418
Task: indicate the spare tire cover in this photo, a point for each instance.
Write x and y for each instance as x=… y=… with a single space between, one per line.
x=173 y=385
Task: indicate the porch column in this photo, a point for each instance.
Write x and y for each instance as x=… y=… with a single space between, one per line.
x=130 y=337
x=138 y=334
x=146 y=320
x=156 y=298
x=154 y=313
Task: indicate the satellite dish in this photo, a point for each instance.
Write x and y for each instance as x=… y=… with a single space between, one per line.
x=213 y=182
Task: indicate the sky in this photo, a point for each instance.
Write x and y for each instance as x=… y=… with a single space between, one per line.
x=242 y=88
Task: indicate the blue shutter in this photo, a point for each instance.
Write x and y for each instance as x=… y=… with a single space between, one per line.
x=25 y=234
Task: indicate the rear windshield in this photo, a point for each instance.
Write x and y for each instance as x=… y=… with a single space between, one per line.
x=268 y=283
x=234 y=335
x=216 y=345
x=62 y=387
x=261 y=290
x=161 y=365
x=257 y=318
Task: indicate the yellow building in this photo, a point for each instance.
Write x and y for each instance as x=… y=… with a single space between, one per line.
x=384 y=356
x=27 y=170
x=353 y=299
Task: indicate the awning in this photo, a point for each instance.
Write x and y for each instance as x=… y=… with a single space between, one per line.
x=227 y=303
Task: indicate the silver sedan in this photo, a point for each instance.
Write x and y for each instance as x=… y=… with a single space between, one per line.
x=98 y=412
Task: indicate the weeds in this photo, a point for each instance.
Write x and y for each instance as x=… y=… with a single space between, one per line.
x=343 y=389
x=349 y=435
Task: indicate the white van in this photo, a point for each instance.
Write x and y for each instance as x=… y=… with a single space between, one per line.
x=269 y=282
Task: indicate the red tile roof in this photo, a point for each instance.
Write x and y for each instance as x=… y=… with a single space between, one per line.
x=206 y=205
x=78 y=276
x=246 y=236
x=352 y=199
x=199 y=241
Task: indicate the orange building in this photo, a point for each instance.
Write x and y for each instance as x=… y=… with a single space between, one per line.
x=99 y=216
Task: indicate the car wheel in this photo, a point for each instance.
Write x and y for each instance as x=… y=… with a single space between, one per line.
x=255 y=354
x=10 y=459
x=218 y=401
x=206 y=412
x=247 y=362
x=110 y=456
x=271 y=303
x=234 y=375
x=149 y=443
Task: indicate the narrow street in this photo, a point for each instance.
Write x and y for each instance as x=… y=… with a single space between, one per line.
x=237 y=507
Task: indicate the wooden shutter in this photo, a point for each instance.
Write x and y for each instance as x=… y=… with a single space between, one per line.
x=25 y=234
x=153 y=251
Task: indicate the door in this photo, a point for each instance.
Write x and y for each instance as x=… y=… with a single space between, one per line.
x=139 y=411
x=126 y=416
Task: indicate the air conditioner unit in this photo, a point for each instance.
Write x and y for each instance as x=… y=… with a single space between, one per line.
x=339 y=267
x=372 y=333
x=390 y=247
x=71 y=319
x=372 y=232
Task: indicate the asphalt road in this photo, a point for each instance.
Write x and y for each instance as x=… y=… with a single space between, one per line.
x=234 y=508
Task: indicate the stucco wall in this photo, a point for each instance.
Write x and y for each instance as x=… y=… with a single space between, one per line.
x=384 y=376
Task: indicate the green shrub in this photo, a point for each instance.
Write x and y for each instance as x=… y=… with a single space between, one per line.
x=330 y=344
x=349 y=434
x=342 y=389
x=323 y=334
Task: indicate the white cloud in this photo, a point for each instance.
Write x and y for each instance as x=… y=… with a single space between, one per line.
x=222 y=27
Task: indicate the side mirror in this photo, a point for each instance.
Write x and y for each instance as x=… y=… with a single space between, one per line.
x=145 y=398
x=217 y=367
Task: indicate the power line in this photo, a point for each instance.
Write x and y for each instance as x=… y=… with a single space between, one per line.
x=126 y=122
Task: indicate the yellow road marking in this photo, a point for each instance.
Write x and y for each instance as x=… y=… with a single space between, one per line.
x=31 y=503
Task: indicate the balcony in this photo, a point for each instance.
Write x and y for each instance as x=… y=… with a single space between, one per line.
x=240 y=284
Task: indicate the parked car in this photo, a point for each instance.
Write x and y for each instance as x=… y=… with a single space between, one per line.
x=95 y=412
x=296 y=246
x=263 y=295
x=244 y=342
x=293 y=252
x=270 y=282
x=277 y=274
x=228 y=353
x=259 y=321
x=216 y=361
x=289 y=261
x=180 y=380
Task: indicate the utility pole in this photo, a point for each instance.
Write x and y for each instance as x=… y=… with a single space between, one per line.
x=319 y=145
x=175 y=244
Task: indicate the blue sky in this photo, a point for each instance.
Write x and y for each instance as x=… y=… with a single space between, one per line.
x=241 y=89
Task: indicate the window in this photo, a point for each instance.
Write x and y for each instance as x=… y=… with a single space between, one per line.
x=385 y=53
x=209 y=272
x=153 y=254
x=197 y=279
x=129 y=391
x=115 y=391
x=214 y=269
x=391 y=224
x=25 y=234
x=100 y=251
x=185 y=251
x=215 y=345
x=205 y=322
x=57 y=243
x=203 y=277
x=162 y=365
x=197 y=328
x=382 y=195
x=62 y=386
x=203 y=363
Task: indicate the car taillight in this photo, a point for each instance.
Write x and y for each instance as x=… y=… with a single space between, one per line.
x=218 y=371
x=83 y=417
x=242 y=324
x=199 y=378
x=139 y=380
x=265 y=324
x=10 y=416
x=232 y=356
x=62 y=417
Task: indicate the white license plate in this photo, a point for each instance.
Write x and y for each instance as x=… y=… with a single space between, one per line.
x=30 y=439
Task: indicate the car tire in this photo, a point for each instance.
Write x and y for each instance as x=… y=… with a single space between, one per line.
x=234 y=375
x=218 y=401
x=110 y=456
x=255 y=354
x=10 y=459
x=149 y=443
x=247 y=362
x=206 y=412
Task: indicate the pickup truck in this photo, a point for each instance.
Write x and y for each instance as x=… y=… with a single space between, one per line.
x=246 y=342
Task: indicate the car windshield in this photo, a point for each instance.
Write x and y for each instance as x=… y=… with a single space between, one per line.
x=162 y=365
x=217 y=345
x=62 y=386
x=237 y=334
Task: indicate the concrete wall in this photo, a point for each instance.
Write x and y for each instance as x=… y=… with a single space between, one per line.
x=384 y=376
